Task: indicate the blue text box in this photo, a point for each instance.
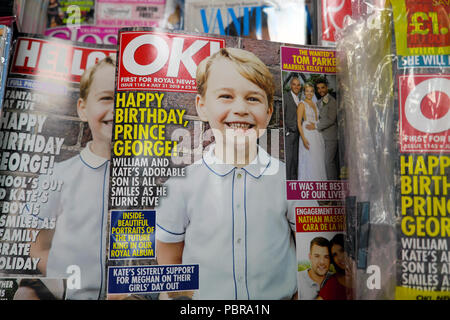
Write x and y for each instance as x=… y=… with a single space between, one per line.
x=148 y=279
x=132 y=234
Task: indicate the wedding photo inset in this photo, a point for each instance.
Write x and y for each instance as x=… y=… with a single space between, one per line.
x=310 y=124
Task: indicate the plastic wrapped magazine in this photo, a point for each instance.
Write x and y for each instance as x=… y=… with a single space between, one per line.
x=331 y=17
x=394 y=77
x=32 y=16
x=173 y=15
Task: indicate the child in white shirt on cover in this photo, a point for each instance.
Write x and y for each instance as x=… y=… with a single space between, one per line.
x=77 y=244
x=230 y=214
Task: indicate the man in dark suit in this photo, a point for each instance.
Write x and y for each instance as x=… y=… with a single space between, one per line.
x=291 y=134
x=327 y=125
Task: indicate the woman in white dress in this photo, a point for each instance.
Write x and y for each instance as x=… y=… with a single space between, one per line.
x=311 y=151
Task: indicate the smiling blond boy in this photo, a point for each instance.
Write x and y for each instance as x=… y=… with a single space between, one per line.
x=230 y=214
x=77 y=244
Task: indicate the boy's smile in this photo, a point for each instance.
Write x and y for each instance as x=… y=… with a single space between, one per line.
x=239 y=128
x=239 y=125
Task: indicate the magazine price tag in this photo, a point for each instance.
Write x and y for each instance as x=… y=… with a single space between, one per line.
x=426 y=23
x=421 y=27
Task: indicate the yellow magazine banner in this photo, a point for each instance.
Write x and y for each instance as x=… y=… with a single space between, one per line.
x=422 y=27
x=403 y=293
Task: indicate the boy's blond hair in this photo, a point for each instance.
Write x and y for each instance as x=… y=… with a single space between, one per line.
x=88 y=75
x=247 y=64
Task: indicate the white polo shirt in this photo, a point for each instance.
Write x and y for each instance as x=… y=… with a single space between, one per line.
x=236 y=224
x=81 y=212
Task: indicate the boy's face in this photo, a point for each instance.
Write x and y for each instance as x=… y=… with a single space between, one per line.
x=97 y=108
x=232 y=104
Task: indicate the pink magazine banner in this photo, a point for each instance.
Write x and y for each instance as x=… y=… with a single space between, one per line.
x=308 y=60
x=87 y=34
x=129 y=13
x=334 y=190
